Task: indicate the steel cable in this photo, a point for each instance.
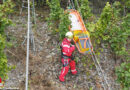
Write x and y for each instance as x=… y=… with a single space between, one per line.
x=27 y=57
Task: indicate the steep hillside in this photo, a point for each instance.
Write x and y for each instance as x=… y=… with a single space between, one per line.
x=45 y=63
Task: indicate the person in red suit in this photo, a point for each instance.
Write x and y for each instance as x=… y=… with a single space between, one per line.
x=67 y=59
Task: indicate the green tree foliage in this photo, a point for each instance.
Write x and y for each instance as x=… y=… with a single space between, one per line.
x=118 y=42
x=3 y=60
x=123 y=75
x=112 y=29
x=118 y=31
x=5 y=10
x=122 y=72
x=102 y=23
x=85 y=9
x=55 y=12
x=64 y=25
x=58 y=21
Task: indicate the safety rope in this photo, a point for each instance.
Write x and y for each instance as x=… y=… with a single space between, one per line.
x=95 y=60
x=70 y=4
x=27 y=57
x=73 y=4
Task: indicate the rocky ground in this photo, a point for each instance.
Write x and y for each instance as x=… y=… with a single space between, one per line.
x=45 y=63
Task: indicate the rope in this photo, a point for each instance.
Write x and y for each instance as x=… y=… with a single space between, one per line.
x=95 y=59
x=98 y=70
x=27 y=57
x=73 y=4
x=101 y=71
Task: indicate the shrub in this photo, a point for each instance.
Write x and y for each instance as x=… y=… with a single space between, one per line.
x=5 y=10
x=123 y=75
x=58 y=21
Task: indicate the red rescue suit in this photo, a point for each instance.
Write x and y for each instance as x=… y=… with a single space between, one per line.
x=0 y=80
x=67 y=50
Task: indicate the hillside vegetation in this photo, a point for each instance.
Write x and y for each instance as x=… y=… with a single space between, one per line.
x=108 y=23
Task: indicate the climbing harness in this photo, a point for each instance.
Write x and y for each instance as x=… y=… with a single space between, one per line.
x=83 y=43
x=66 y=57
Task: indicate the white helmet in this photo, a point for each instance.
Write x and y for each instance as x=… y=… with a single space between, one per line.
x=69 y=35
